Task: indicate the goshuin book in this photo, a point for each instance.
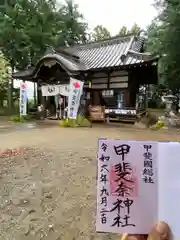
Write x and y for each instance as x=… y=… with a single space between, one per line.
x=138 y=184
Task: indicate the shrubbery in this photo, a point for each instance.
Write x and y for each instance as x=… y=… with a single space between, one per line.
x=22 y=119
x=80 y=121
x=158 y=125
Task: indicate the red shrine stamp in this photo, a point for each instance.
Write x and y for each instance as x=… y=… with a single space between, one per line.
x=125 y=185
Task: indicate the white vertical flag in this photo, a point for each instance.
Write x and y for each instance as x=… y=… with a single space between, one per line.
x=23 y=99
x=75 y=92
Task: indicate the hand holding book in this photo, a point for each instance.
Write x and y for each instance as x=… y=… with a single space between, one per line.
x=160 y=231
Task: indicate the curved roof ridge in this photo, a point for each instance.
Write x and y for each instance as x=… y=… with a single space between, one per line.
x=69 y=65
x=140 y=53
x=108 y=41
x=61 y=51
x=141 y=56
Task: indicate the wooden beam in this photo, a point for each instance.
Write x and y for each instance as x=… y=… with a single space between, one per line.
x=109 y=76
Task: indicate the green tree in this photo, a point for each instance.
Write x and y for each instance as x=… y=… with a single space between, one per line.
x=73 y=28
x=154 y=45
x=33 y=25
x=100 y=33
x=4 y=73
x=135 y=29
x=163 y=39
x=25 y=41
x=4 y=78
x=41 y=27
x=123 y=31
x=27 y=27
x=170 y=41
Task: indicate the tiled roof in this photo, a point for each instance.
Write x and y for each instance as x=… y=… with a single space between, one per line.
x=109 y=53
x=67 y=63
x=27 y=73
x=114 y=52
x=71 y=66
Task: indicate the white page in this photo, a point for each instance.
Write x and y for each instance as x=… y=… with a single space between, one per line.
x=169 y=186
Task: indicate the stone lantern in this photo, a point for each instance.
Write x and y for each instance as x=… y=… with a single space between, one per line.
x=169 y=101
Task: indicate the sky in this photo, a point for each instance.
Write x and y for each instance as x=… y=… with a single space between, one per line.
x=113 y=14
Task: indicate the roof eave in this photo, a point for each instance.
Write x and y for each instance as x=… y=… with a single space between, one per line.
x=24 y=74
x=151 y=62
x=66 y=64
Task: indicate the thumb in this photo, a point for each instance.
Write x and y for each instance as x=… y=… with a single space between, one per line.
x=160 y=231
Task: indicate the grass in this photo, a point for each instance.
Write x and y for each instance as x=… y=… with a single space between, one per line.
x=80 y=121
x=7 y=112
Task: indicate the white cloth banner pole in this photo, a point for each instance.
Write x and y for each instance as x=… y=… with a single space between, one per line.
x=75 y=92
x=23 y=100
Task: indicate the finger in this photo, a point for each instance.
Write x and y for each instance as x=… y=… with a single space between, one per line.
x=123 y=236
x=133 y=237
x=160 y=231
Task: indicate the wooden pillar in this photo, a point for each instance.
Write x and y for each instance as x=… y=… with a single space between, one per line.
x=133 y=89
x=39 y=94
x=109 y=77
x=35 y=99
x=126 y=98
x=87 y=79
x=10 y=92
x=43 y=102
x=146 y=96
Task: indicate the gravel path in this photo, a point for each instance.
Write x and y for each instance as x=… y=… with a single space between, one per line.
x=49 y=191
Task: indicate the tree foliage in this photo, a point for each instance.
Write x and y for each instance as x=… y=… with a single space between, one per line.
x=100 y=33
x=134 y=29
x=22 y=31
x=74 y=28
x=124 y=30
x=4 y=77
x=4 y=73
x=163 y=39
x=28 y=27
